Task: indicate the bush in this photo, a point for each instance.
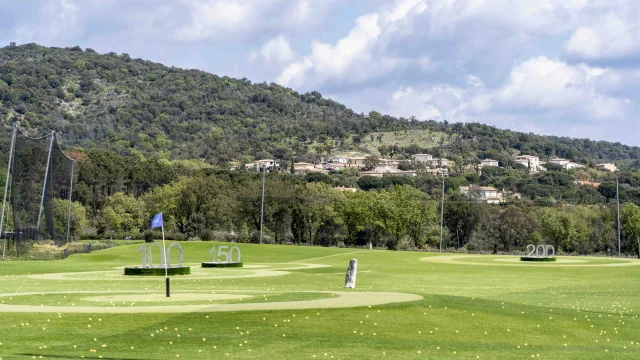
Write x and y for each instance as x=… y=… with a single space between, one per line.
x=206 y=235
x=148 y=236
x=266 y=238
x=44 y=251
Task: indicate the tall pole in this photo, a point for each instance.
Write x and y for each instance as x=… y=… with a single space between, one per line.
x=264 y=170
x=442 y=211
x=166 y=264
x=618 y=203
x=6 y=188
x=73 y=164
x=44 y=185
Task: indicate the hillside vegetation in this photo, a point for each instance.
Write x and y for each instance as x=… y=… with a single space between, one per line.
x=126 y=105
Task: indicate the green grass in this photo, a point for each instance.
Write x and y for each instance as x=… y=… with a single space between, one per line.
x=486 y=310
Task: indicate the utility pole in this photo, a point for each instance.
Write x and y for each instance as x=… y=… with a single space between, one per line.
x=618 y=203
x=264 y=170
x=6 y=188
x=442 y=211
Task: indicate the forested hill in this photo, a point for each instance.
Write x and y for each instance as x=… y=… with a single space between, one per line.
x=125 y=105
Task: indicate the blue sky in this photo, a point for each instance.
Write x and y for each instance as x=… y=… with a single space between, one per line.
x=557 y=67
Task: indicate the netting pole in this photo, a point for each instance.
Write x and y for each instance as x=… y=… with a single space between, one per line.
x=44 y=185
x=6 y=188
x=73 y=164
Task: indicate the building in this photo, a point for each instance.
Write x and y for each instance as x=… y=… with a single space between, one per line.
x=268 y=164
x=440 y=162
x=489 y=162
x=422 y=157
x=339 y=160
x=394 y=173
x=357 y=161
x=304 y=168
x=531 y=162
x=488 y=194
x=607 y=167
x=566 y=164
x=482 y=193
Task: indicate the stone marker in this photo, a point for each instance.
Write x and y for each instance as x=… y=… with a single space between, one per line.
x=350 y=281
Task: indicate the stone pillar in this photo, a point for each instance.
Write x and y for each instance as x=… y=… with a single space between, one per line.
x=350 y=281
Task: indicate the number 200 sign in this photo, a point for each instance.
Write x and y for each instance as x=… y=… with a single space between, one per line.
x=227 y=255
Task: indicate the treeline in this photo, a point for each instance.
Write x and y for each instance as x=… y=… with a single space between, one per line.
x=298 y=210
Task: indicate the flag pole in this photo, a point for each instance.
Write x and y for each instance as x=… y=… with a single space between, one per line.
x=166 y=264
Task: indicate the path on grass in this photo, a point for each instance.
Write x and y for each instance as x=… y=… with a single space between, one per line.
x=342 y=300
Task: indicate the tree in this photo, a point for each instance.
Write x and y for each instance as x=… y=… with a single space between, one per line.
x=123 y=213
x=461 y=217
x=370 y=163
x=78 y=219
x=630 y=219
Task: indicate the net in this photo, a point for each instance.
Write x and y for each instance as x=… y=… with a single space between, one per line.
x=56 y=200
x=29 y=177
x=27 y=180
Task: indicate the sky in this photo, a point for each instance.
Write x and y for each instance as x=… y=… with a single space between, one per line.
x=553 y=67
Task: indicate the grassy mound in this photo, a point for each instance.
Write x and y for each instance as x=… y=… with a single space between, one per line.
x=222 y=265
x=542 y=259
x=137 y=270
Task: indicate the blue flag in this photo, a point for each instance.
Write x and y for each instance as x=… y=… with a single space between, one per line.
x=156 y=222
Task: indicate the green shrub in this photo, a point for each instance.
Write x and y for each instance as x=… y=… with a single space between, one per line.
x=148 y=236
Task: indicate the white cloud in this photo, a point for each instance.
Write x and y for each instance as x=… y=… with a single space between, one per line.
x=232 y=19
x=538 y=89
x=609 y=38
x=275 y=52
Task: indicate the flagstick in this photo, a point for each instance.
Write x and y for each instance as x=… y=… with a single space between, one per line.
x=166 y=264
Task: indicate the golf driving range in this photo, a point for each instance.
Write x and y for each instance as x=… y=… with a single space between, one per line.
x=289 y=302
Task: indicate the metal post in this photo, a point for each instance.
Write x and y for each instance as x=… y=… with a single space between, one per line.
x=442 y=211
x=264 y=170
x=166 y=265
x=44 y=185
x=73 y=164
x=618 y=203
x=6 y=188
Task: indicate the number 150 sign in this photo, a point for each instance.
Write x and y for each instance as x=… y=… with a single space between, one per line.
x=224 y=254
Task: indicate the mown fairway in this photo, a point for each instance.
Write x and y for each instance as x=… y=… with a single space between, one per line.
x=471 y=307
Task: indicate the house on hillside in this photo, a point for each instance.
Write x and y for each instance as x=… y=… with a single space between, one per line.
x=530 y=161
x=267 y=164
x=607 y=167
x=489 y=162
x=305 y=168
x=482 y=193
x=566 y=164
x=422 y=157
x=488 y=194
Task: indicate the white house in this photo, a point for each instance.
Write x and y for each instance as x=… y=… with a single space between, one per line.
x=530 y=161
x=484 y=193
x=267 y=164
x=568 y=165
x=339 y=160
x=488 y=194
x=422 y=157
x=489 y=162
